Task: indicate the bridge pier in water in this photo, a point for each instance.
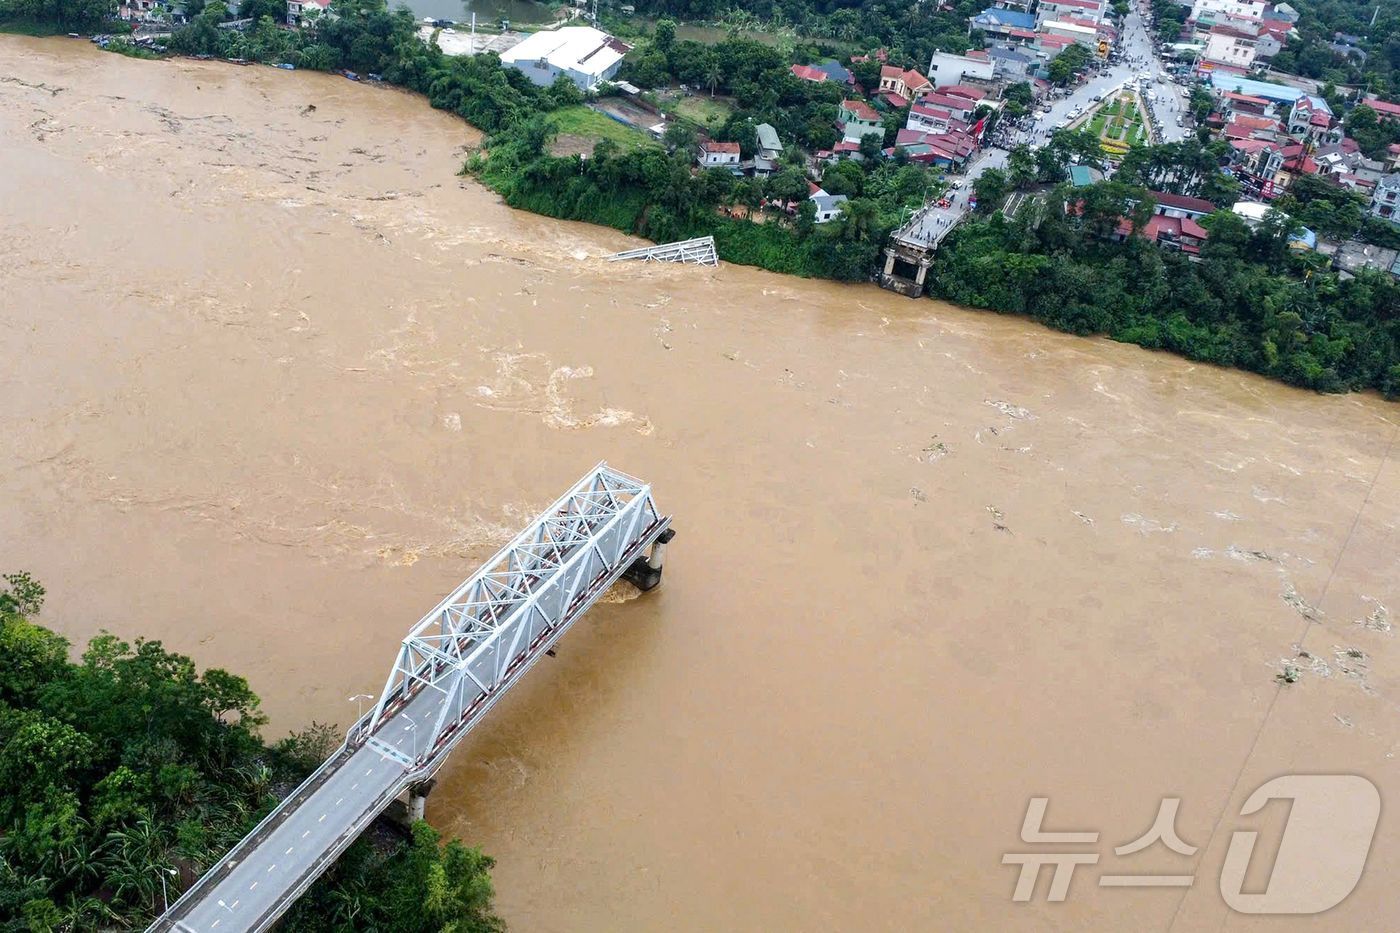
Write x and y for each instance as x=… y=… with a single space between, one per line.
x=645 y=572
x=418 y=799
x=451 y=669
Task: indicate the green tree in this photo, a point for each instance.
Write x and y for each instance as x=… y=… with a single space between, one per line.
x=1021 y=167
x=787 y=185
x=992 y=187
x=665 y=36
x=714 y=73
x=859 y=221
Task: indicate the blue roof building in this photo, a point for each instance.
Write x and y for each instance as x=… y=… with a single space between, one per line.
x=834 y=70
x=1007 y=19
x=1280 y=93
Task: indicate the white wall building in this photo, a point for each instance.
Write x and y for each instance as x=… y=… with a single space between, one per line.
x=584 y=55
x=1209 y=9
x=1231 y=46
x=1083 y=35
x=1070 y=9
x=297 y=10
x=719 y=155
x=945 y=68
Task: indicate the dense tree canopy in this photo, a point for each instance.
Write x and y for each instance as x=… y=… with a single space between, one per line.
x=1251 y=302
x=131 y=766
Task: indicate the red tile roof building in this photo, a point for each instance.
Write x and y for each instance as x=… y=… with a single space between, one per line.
x=1382 y=108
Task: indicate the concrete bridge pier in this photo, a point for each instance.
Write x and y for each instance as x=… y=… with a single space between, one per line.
x=418 y=799
x=645 y=572
x=920 y=258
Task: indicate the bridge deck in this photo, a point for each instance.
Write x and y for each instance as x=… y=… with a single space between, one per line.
x=453 y=667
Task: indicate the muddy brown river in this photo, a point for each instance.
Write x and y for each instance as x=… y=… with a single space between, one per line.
x=275 y=379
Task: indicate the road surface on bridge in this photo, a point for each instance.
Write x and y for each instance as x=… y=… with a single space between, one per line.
x=452 y=667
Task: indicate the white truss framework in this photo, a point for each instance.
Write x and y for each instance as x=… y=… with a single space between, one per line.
x=699 y=251
x=477 y=641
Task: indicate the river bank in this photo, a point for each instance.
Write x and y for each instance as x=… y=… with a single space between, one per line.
x=1248 y=303
x=930 y=562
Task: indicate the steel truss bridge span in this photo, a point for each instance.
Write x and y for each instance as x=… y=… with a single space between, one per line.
x=451 y=668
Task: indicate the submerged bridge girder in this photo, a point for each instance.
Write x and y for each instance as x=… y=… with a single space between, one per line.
x=700 y=251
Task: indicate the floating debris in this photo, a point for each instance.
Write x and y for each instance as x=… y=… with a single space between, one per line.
x=1292 y=597
x=1352 y=663
x=1010 y=410
x=1378 y=619
x=1247 y=554
x=1147 y=525
x=998 y=520
x=935 y=451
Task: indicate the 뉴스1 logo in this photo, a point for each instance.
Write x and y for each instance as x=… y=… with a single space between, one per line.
x=1320 y=857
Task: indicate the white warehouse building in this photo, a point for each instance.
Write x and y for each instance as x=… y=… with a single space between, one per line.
x=584 y=55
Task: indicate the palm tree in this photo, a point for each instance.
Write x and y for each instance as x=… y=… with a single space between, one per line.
x=713 y=73
x=858 y=220
x=132 y=862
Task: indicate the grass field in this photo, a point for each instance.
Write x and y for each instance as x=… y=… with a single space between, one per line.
x=581 y=123
x=703 y=109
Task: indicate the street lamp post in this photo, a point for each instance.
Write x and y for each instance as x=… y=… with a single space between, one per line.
x=164 y=893
x=359 y=701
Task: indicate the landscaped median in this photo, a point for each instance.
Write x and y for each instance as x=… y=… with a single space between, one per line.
x=1119 y=124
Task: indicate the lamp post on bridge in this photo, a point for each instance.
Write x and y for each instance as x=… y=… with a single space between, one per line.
x=359 y=701
x=164 y=893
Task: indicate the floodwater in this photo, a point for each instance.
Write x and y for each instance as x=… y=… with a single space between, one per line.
x=275 y=379
x=488 y=12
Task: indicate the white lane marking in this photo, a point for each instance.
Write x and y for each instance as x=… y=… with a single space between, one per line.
x=337 y=803
x=289 y=851
x=252 y=886
x=355 y=785
x=305 y=834
x=233 y=905
x=322 y=819
x=270 y=867
x=215 y=923
x=369 y=772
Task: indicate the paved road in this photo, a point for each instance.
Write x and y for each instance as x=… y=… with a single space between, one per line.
x=354 y=793
x=931 y=222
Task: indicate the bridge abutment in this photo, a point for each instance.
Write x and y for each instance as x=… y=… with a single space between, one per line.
x=917 y=258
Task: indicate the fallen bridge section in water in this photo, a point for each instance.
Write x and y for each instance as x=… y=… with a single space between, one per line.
x=699 y=251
